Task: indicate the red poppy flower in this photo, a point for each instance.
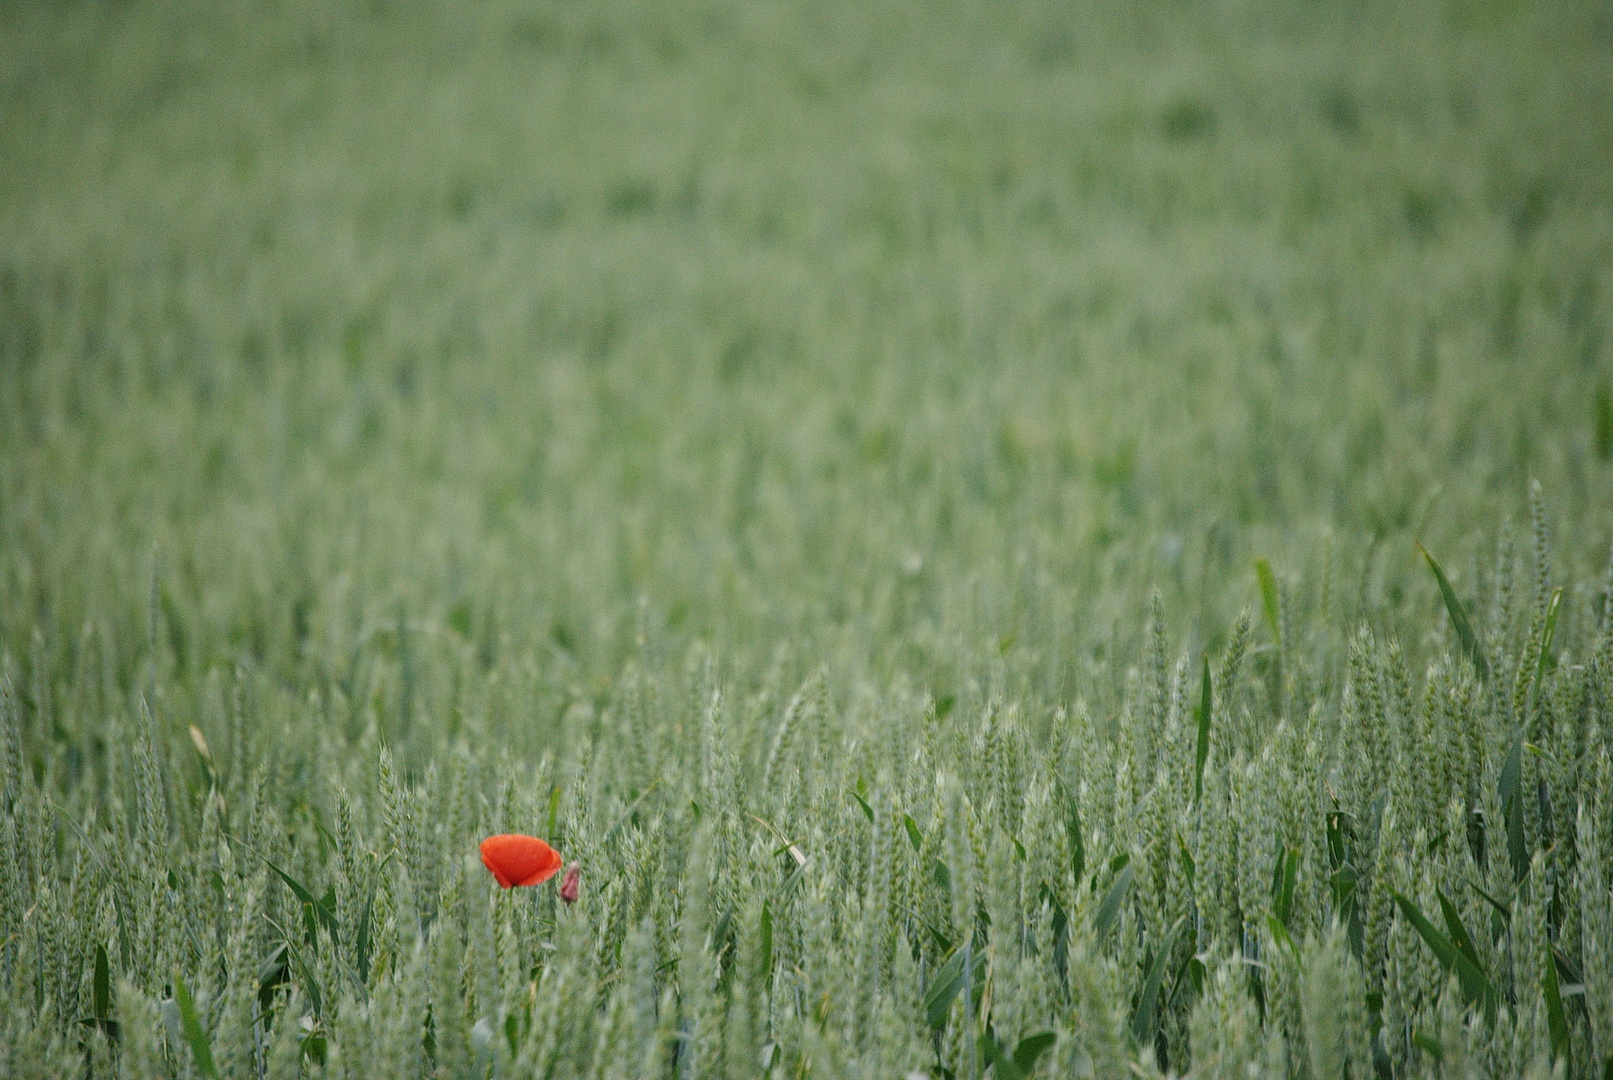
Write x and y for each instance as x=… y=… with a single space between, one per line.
x=519 y=860
x=572 y=883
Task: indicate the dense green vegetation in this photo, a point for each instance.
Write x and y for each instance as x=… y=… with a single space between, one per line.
x=921 y=500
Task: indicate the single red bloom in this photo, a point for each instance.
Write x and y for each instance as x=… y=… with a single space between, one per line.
x=519 y=860
x=572 y=883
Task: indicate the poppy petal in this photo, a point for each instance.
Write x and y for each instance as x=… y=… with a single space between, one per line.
x=488 y=862
x=515 y=859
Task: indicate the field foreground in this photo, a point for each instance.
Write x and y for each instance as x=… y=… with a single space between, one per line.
x=920 y=501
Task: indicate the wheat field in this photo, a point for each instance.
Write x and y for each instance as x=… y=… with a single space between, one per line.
x=1024 y=538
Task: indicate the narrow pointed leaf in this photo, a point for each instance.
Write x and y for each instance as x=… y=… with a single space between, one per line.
x=1459 y=619
x=271 y=974
x=1458 y=930
x=191 y=1025
x=1511 y=791
x=944 y=987
x=1145 y=1023
x=305 y=975
x=1547 y=634
x=1476 y=986
x=1287 y=877
x=1501 y=910
x=554 y=810
x=765 y=963
x=101 y=989
x=868 y=811
x=914 y=837
x=361 y=939
x=324 y=910
x=1074 y=834
x=1201 y=753
x=1556 y=1018
x=1268 y=598
x=1109 y=910
x=1061 y=935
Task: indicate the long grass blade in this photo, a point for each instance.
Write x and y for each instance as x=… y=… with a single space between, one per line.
x=1109 y=910
x=1510 y=785
x=1556 y=1018
x=195 y=1037
x=1201 y=753
x=1464 y=626
x=946 y=985
x=1477 y=989
x=1145 y=1022
x=1548 y=634
x=323 y=910
x=1271 y=604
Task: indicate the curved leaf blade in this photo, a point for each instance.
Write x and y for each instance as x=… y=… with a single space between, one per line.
x=1109 y=910
x=1464 y=626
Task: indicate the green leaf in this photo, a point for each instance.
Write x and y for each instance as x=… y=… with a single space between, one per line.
x=324 y=908
x=1190 y=865
x=1061 y=934
x=1511 y=791
x=793 y=880
x=272 y=973
x=1429 y=1045
x=1268 y=597
x=1074 y=834
x=1031 y=1048
x=1338 y=839
x=1458 y=930
x=1202 y=753
x=1281 y=936
x=1547 y=634
x=944 y=987
x=1556 y=1019
x=361 y=939
x=1145 y=1022
x=554 y=811
x=305 y=974
x=1459 y=619
x=191 y=1025
x=101 y=987
x=765 y=964
x=1284 y=879
x=868 y=811
x=125 y=945
x=997 y=1058
x=1109 y=910
x=101 y=997
x=914 y=837
x=1196 y=973
x=1476 y=986
x=1499 y=910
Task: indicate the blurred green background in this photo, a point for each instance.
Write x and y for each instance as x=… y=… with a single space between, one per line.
x=919 y=340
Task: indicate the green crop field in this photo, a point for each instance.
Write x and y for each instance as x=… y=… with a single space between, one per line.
x=1006 y=539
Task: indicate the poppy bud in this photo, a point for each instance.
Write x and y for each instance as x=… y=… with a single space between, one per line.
x=572 y=883
x=519 y=860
